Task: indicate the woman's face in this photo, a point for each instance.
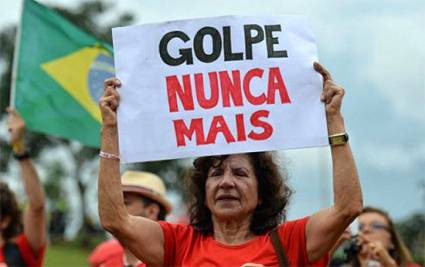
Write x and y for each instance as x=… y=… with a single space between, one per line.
x=232 y=188
x=375 y=227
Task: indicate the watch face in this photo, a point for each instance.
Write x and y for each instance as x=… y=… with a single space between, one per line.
x=338 y=139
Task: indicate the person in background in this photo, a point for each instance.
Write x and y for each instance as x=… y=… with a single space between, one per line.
x=238 y=205
x=22 y=240
x=144 y=196
x=378 y=243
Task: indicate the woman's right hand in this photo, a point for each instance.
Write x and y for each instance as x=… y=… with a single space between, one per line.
x=109 y=102
x=375 y=250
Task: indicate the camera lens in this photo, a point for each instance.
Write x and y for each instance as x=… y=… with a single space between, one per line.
x=351 y=249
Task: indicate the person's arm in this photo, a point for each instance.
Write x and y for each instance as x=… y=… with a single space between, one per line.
x=326 y=226
x=35 y=213
x=142 y=236
x=346 y=236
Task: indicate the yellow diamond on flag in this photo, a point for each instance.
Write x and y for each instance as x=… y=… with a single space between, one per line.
x=81 y=74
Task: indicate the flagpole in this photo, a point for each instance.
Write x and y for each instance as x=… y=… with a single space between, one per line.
x=15 y=58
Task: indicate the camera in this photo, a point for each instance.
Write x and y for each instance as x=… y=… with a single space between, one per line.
x=351 y=249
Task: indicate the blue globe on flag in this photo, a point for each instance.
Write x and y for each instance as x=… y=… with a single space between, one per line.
x=101 y=69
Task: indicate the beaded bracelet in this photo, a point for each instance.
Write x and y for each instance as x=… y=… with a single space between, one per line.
x=106 y=155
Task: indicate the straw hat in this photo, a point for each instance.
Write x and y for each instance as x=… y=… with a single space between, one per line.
x=146 y=184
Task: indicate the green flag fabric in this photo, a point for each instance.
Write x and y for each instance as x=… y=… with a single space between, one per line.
x=59 y=73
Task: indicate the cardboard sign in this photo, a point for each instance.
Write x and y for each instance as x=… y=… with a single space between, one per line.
x=217 y=86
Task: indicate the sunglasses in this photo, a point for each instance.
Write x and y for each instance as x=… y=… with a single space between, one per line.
x=374 y=226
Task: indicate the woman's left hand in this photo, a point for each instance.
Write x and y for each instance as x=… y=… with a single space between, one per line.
x=332 y=96
x=332 y=93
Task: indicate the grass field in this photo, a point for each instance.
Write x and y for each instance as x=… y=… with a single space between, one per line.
x=66 y=254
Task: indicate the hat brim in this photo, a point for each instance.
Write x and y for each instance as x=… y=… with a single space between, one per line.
x=149 y=194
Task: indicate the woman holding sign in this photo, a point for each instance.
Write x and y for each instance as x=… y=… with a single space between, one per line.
x=239 y=202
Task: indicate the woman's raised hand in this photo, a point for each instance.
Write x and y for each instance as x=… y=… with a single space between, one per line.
x=15 y=125
x=332 y=93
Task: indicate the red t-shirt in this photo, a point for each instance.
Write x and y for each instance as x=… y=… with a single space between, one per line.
x=109 y=254
x=184 y=246
x=25 y=253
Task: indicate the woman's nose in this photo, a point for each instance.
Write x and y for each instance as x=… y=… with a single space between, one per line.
x=365 y=230
x=227 y=181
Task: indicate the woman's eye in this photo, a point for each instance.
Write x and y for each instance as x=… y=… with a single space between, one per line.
x=215 y=173
x=240 y=173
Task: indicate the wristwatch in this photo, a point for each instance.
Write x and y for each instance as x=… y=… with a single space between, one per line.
x=22 y=156
x=338 y=139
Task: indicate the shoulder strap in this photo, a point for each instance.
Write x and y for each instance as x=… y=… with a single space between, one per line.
x=13 y=255
x=278 y=249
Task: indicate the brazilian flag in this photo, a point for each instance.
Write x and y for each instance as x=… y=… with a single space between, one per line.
x=58 y=75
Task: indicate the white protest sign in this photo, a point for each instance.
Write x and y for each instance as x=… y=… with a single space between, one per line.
x=217 y=86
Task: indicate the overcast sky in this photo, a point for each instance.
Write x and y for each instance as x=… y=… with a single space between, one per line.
x=375 y=49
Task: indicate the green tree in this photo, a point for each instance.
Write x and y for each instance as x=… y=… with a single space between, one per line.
x=412 y=230
x=56 y=196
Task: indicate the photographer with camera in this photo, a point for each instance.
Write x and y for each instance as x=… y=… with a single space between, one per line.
x=377 y=244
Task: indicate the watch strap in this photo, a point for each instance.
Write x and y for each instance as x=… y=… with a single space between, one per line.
x=22 y=156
